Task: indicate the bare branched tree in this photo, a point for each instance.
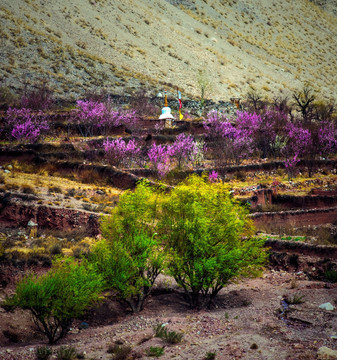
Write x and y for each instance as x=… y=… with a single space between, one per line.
x=254 y=100
x=303 y=101
x=204 y=84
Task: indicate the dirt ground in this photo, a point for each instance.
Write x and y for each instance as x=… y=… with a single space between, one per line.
x=247 y=323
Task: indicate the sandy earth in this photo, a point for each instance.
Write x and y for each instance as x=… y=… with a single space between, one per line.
x=246 y=323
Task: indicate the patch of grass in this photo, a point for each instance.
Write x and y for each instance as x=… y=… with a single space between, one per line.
x=66 y=353
x=119 y=351
x=77 y=252
x=155 y=351
x=55 y=249
x=55 y=189
x=331 y=276
x=294 y=238
x=43 y=353
x=294 y=299
x=11 y=187
x=210 y=355
x=172 y=337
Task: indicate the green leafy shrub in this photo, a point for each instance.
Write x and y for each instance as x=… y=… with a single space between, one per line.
x=59 y=296
x=207 y=236
x=172 y=337
x=130 y=259
x=155 y=351
x=43 y=353
x=210 y=355
x=330 y=275
x=66 y=353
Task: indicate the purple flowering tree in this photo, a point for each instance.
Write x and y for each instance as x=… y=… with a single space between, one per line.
x=218 y=133
x=299 y=141
x=93 y=117
x=290 y=165
x=183 y=150
x=227 y=141
x=26 y=126
x=327 y=138
x=160 y=160
x=298 y=146
x=40 y=98
x=118 y=152
x=261 y=128
x=88 y=117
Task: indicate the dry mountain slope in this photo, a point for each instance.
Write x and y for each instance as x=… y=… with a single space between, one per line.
x=266 y=45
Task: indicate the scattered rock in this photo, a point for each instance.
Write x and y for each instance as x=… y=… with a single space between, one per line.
x=327 y=306
x=31 y=223
x=324 y=353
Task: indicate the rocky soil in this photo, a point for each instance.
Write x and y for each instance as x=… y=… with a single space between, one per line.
x=251 y=321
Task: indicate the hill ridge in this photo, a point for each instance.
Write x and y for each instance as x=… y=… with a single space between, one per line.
x=238 y=46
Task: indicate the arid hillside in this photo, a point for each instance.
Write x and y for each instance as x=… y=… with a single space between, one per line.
x=232 y=46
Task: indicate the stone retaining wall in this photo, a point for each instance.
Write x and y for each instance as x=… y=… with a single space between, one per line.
x=48 y=217
x=296 y=218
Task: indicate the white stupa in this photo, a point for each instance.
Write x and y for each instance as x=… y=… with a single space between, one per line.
x=166 y=111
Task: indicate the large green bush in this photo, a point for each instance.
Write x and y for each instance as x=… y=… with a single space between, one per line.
x=207 y=237
x=130 y=257
x=197 y=230
x=59 y=296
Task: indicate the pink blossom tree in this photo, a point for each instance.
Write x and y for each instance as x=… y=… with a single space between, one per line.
x=119 y=152
x=93 y=117
x=24 y=125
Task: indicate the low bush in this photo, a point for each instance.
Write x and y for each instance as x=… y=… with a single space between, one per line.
x=295 y=299
x=66 y=353
x=28 y=189
x=43 y=353
x=172 y=337
x=55 y=189
x=56 y=298
x=119 y=351
x=210 y=355
x=39 y=98
x=155 y=351
x=331 y=276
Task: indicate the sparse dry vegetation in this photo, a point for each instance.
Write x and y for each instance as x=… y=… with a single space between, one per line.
x=265 y=35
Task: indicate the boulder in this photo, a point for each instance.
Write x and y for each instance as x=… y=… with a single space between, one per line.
x=327 y=306
x=325 y=353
